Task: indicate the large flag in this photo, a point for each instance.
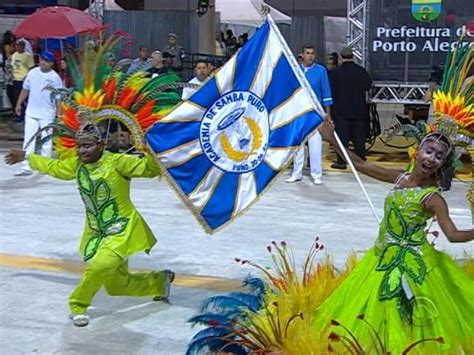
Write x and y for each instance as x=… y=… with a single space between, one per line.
x=223 y=147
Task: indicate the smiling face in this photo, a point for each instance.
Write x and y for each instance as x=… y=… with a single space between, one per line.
x=89 y=150
x=431 y=157
x=157 y=59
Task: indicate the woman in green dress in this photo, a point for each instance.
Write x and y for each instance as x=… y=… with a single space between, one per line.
x=403 y=287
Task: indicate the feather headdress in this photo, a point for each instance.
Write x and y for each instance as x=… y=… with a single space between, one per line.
x=454 y=102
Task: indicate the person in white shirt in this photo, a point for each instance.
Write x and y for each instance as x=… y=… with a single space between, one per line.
x=201 y=70
x=40 y=110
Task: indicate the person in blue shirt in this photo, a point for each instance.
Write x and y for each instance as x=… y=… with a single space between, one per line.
x=318 y=79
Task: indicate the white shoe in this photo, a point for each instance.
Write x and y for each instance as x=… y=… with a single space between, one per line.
x=293 y=179
x=23 y=172
x=317 y=181
x=79 y=320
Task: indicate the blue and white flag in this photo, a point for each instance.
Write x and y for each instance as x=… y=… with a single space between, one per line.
x=222 y=148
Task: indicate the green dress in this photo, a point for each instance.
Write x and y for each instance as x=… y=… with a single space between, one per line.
x=405 y=289
x=111 y=219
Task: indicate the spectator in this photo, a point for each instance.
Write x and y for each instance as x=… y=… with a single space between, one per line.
x=111 y=60
x=110 y=64
x=28 y=46
x=245 y=37
x=350 y=110
x=212 y=65
x=158 y=68
x=241 y=43
x=201 y=70
x=142 y=63
x=22 y=62
x=168 y=60
x=176 y=51
x=64 y=74
x=332 y=62
x=318 y=79
x=299 y=59
x=220 y=46
x=40 y=111
x=8 y=42
x=230 y=43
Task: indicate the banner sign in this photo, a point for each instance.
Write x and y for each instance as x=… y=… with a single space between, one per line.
x=416 y=35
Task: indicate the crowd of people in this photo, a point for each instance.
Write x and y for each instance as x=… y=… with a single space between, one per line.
x=28 y=73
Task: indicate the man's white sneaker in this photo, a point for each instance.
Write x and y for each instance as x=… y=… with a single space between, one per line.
x=293 y=179
x=317 y=181
x=79 y=320
x=23 y=173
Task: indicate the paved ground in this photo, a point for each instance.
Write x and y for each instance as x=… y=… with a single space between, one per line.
x=41 y=221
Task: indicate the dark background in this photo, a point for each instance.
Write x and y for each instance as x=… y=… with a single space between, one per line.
x=396 y=13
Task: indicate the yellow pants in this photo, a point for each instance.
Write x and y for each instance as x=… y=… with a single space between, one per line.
x=110 y=270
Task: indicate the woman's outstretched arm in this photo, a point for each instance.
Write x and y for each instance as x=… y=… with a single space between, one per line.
x=373 y=170
x=437 y=205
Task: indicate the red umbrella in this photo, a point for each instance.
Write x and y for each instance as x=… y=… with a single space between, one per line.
x=57 y=22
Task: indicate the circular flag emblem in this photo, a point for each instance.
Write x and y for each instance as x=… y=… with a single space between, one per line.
x=234 y=132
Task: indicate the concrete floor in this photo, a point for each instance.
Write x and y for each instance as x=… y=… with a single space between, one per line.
x=42 y=218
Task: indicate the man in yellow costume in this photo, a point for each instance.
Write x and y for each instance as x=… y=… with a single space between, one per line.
x=114 y=230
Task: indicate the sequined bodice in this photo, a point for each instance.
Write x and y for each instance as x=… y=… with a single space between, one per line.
x=401 y=241
x=404 y=216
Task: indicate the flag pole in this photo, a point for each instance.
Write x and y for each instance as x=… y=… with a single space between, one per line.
x=316 y=104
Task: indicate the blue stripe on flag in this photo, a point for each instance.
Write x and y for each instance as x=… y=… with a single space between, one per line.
x=206 y=95
x=163 y=136
x=191 y=173
x=282 y=86
x=263 y=175
x=220 y=206
x=249 y=57
x=286 y=136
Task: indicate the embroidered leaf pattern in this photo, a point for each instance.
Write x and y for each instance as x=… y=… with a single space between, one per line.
x=84 y=180
x=417 y=237
x=109 y=212
x=101 y=210
x=395 y=224
x=91 y=247
x=90 y=205
x=402 y=243
x=93 y=222
x=391 y=284
x=414 y=265
x=389 y=257
x=102 y=192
